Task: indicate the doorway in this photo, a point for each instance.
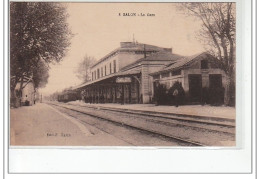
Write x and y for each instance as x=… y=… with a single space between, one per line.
x=216 y=89
x=195 y=87
x=215 y=81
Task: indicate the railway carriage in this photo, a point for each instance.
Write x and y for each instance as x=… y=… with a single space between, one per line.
x=68 y=96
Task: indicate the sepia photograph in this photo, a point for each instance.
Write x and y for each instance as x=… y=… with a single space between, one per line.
x=122 y=74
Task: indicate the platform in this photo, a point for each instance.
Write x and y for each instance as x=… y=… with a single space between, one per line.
x=190 y=110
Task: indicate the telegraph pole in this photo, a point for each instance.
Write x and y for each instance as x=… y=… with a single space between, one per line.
x=144 y=51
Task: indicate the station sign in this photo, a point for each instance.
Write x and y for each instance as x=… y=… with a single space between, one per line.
x=123 y=80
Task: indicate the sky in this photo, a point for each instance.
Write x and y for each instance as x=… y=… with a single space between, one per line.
x=98 y=29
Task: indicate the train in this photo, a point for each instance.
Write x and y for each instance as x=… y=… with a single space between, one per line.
x=67 y=96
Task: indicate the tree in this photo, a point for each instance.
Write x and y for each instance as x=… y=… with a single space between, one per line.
x=40 y=74
x=218 y=33
x=83 y=70
x=39 y=35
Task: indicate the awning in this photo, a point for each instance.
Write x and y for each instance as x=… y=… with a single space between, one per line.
x=124 y=73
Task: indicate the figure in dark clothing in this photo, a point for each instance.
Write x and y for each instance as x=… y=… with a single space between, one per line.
x=160 y=94
x=122 y=98
x=102 y=98
x=176 y=97
x=156 y=93
x=204 y=96
x=176 y=94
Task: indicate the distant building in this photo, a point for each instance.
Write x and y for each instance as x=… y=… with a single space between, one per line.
x=28 y=95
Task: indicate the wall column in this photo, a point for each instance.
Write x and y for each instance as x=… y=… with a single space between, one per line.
x=145 y=84
x=205 y=79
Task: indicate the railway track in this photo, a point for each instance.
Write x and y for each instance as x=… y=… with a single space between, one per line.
x=162 y=126
x=220 y=125
x=190 y=118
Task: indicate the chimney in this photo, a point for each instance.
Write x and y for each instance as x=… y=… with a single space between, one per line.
x=127 y=44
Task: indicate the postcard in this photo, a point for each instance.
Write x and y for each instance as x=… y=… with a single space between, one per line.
x=148 y=76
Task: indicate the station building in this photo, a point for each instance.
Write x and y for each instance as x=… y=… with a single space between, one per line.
x=122 y=76
x=128 y=74
x=194 y=73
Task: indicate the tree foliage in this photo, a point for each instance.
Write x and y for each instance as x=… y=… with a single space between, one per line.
x=83 y=70
x=218 y=34
x=40 y=74
x=39 y=35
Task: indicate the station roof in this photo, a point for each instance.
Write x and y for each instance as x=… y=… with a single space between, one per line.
x=159 y=56
x=183 y=62
x=133 y=46
x=125 y=73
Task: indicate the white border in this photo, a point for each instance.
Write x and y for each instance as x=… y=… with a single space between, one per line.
x=163 y=160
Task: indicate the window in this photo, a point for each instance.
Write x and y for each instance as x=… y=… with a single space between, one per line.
x=95 y=74
x=110 y=68
x=92 y=76
x=98 y=73
x=101 y=71
x=175 y=73
x=204 y=64
x=105 y=70
x=114 y=66
x=156 y=77
x=165 y=75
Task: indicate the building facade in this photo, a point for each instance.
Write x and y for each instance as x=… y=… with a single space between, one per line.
x=129 y=73
x=195 y=73
x=122 y=76
x=126 y=54
x=28 y=95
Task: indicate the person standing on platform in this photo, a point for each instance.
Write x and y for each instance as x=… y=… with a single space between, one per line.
x=176 y=97
x=156 y=93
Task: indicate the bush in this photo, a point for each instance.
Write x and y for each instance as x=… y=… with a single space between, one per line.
x=181 y=94
x=27 y=103
x=162 y=96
